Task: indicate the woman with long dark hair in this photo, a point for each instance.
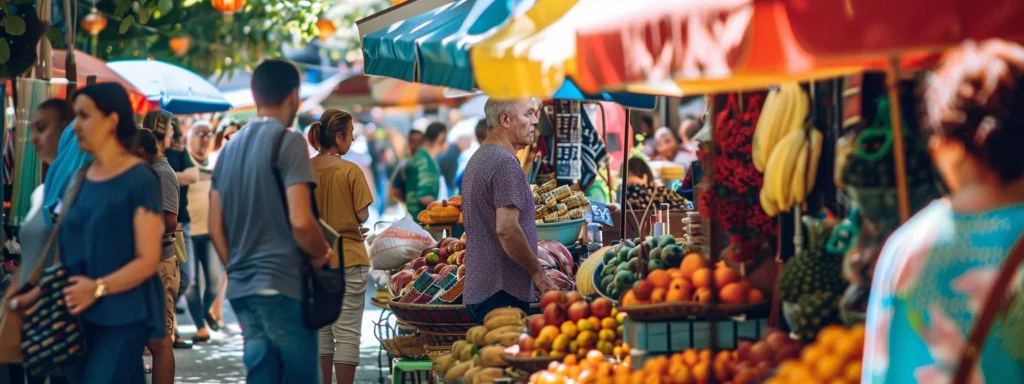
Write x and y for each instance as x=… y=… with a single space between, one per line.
x=109 y=241
x=343 y=197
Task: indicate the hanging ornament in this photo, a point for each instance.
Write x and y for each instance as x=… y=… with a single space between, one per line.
x=94 y=22
x=228 y=7
x=326 y=29
x=180 y=45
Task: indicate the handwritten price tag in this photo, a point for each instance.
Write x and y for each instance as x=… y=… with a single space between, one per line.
x=598 y=213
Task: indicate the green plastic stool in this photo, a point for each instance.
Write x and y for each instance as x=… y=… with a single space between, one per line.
x=399 y=368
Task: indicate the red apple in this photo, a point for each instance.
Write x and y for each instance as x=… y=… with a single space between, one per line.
x=786 y=352
x=420 y=271
x=553 y=314
x=551 y=297
x=525 y=343
x=439 y=267
x=419 y=262
x=760 y=352
x=573 y=297
x=536 y=323
x=601 y=307
x=578 y=311
x=777 y=340
x=743 y=350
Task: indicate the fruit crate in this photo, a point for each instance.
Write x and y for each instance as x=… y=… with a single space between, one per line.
x=669 y=337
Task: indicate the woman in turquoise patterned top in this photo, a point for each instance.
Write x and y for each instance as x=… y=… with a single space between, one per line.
x=935 y=272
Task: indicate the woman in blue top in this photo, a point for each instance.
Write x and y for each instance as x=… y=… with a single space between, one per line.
x=935 y=272
x=110 y=242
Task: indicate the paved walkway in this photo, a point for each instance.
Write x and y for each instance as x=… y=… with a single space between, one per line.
x=220 y=360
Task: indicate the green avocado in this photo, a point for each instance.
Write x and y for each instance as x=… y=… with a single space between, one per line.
x=655 y=264
x=633 y=253
x=623 y=280
x=606 y=282
x=624 y=254
x=631 y=265
x=655 y=253
x=610 y=255
x=672 y=255
x=666 y=240
x=651 y=243
x=608 y=269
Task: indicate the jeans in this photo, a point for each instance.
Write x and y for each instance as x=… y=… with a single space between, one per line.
x=203 y=267
x=278 y=347
x=184 y=273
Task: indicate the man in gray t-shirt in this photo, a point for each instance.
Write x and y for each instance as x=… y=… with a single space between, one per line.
x=169 y=191
x=263 y=247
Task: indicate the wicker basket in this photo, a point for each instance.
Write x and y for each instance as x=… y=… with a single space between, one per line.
x=442 y=339
x=685 y=310
x=406 y=347
x=529 y=364
x=440 y=318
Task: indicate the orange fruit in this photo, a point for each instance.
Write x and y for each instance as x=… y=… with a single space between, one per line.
x=702 y=295
x=732 y=293
x=702 y=278
x=659 y=278
x=853 y=372
x=725 y=276
x=829 y=367
x=679 y=290
x=675 y=296
x=658 y=295
x=629 y=299
x=691 y=263
x=642 y=290
x=754 y=296
x=675 y=273
x=690 y=357
x=701 y=371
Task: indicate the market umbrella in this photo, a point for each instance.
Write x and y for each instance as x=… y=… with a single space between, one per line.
x=89 y=65
x=178 y=90
x=435 y=48
x=377 y=91
x=836 y=30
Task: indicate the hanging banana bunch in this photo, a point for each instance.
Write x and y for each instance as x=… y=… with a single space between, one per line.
x=790 y=149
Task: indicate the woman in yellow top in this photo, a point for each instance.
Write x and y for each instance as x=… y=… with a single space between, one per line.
x=343 y=197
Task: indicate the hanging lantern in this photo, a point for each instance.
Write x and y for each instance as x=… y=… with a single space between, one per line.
x=94 y=22
x=326 y=29
x=180 y=45
x=228 y=7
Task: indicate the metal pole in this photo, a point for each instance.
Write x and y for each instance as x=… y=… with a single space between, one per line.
x=626 y=149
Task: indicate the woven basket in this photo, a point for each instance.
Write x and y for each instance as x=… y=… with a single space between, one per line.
x=406 y=347
x=439 y=318
x=442 y=339
x=688 y=310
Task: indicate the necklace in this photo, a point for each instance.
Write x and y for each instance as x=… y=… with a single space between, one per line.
x=329 y=154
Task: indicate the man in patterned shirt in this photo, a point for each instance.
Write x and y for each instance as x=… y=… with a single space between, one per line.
x=498 y=208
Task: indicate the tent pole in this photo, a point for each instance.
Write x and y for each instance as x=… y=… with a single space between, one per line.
x=626 y=149
x=892 y=81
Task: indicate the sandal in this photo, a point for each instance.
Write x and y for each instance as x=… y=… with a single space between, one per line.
x=213 y=323
x=200 y=339
x=180 y=343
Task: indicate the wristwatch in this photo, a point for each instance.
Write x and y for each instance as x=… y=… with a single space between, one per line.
x=101 y=289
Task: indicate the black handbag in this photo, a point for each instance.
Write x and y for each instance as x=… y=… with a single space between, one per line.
x=323 y=289
x=51 y=337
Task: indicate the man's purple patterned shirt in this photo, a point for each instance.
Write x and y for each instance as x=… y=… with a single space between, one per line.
x=494 y=179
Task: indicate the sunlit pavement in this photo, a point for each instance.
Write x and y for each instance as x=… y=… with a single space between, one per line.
x=220 y=360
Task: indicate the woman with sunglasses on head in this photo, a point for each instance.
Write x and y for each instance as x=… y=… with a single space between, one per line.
x=343 y=197
x=109 y=240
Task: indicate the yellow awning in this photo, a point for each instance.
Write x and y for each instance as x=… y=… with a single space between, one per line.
x=531 y=56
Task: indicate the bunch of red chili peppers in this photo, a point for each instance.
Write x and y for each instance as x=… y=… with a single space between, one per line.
x=733 y=198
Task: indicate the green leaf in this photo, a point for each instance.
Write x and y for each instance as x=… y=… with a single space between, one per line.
x=5 y=51
x=165 y=6
x=14 y=25
x=122 y=7
x=126 y=23
x=144 y=14
x=56 y=38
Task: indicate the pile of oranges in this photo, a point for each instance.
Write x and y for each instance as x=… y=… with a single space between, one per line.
x=593 y=368
x=835 y=357
x=691 y=282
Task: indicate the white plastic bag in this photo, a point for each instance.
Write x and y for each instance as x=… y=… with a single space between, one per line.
x=399 y=244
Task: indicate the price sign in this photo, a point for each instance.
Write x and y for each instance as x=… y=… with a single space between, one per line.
x=569 y=164
x=598 y=213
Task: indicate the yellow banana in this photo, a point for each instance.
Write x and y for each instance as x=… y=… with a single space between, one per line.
x=816 y=142
x=773 y=175
x=798 y=188
x=765 y=123
x=784 y=157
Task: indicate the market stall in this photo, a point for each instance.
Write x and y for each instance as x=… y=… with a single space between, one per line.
x=750 y=287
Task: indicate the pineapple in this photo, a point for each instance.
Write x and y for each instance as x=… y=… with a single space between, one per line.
x=812 y=269
x=816 y=310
